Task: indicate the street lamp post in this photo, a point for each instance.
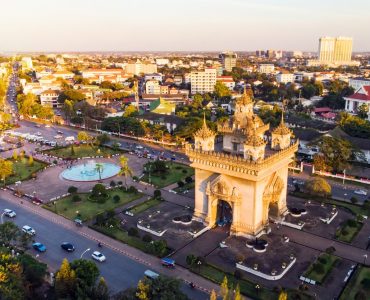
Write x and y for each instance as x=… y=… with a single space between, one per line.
x=365 y=257
x=344 y=175
x=2 y=217
x=87 y=250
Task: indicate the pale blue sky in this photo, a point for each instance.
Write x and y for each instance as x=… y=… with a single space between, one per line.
x=149 y=25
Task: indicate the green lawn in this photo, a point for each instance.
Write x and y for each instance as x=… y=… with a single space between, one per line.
x=122 y=236
x=354 y=286
x=326 y=266
x=23 y=170
x=247 y=287
x=145 y=205
x=83 y=150
x=346 y=232
x=186 y=187
x=89 y=209
x=355 y=209
x=175 y=172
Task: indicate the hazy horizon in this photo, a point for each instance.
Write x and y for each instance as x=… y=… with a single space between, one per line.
x=183 y=26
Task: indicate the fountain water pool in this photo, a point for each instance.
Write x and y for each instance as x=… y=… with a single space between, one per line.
x=90 y=171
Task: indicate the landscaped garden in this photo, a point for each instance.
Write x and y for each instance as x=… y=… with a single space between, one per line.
x=86 y=206
x=24 y=168
x=161 y=173
x=139 y=208
x=348 y=230
x=359 y=285
x=320 y=268
x=82 y=150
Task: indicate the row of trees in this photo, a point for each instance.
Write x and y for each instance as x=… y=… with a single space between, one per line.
x=355 y=126
x=29 y=105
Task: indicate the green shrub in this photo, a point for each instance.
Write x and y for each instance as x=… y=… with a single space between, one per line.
x=318 y=268
x=100 y=219
x=330 y=250
x=72 y=189
x=112 y=183
x=157 y=193
x=76 y=198
x=133 y=232
x=322 y=260
x=180 y=184
x=163 y=177
x=184 y=171
x=188 y=179
x=352 y=223
x=147 y=238
x=116 y=198
x=132 y=190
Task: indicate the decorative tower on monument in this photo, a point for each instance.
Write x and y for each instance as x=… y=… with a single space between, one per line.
x=204 y=138
x=281 y=135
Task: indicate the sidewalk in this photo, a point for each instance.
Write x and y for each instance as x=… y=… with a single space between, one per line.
x=133 y=253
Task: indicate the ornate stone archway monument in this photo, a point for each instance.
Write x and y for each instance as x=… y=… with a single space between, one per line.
x=249 y=173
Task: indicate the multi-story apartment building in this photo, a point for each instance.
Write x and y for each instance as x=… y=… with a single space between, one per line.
x=203 y=81
x=49 y=98
x=284 y=77
x=266 y=68
x=27 y=62
x=228 y=60
x=358 y=82
x=138 y=67
x=152 y=87
x=156 y=76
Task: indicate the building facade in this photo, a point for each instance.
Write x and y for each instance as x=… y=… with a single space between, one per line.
x=203 y=81
x=228 y=60
x=358 y=82
x=359 y=98
x=49 y=98
x=266 y=68
x=245 y=184
x=285 y=77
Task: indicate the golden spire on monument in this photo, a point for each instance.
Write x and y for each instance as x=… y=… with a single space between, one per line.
x=204 y=132
x=246 y=98
x=282 y=129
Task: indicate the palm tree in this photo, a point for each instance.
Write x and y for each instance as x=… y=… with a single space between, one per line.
x=99 y=168
x=6 y=169
x=125 y=169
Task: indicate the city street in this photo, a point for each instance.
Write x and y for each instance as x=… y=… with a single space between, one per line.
x=119 y=270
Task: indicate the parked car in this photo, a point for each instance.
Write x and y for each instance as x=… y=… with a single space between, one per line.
x=98 y=256
x=28 y=230
x=9 y=213
x=39 y=247
x=67 y=246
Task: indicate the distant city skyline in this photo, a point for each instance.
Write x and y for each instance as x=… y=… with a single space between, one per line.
x=192 y=25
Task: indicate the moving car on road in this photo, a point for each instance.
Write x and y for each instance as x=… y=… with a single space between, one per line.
x=150 y=274
x=9 y=213
x=28 y=230
x=39 y=247
x=67 y=246
x=98 y=256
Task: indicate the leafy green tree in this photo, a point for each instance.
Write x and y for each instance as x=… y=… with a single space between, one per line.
x=9 y=233
x=130 y=111
x=191 y=260
x=221 y=90
x=142 y=291
x=336 y=153
x=125 y=169
x=101 y=291
x=363 y=111
x=6 y=169
x=197 y=101
x=225 y=289
x=87 y=274
x=355 y=126
x=71 y=94
x=65 y=281
x=318 y=186
x=33 y=271
x=103 y=139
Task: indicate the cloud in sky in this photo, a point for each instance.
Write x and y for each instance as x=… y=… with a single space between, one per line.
x=124 y=25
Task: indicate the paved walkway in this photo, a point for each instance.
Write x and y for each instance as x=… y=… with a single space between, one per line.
x=319 y=243
x=134 y=254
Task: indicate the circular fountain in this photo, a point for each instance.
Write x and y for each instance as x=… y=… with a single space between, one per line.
x=90 y=171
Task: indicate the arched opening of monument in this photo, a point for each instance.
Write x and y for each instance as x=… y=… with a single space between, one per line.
x=224 y=213
x=273 y=210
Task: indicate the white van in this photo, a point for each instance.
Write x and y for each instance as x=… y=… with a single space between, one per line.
x=70 y=139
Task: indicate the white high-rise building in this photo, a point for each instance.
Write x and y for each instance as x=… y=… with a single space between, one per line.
x=335 y=51
x=203 y=81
